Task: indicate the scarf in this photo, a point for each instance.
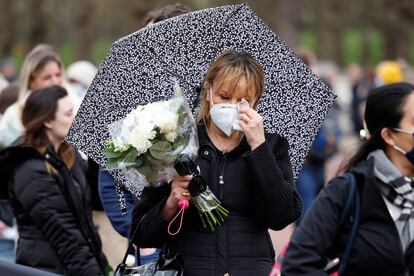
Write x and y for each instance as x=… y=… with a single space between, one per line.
x=399 y=191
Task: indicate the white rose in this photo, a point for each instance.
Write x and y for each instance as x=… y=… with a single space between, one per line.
x=120 y=144
x=155 y=109
x=141 y=140
x=166 y=121
x=127 y=124
x=171 y=136
x=138 y=129
x=162 y=116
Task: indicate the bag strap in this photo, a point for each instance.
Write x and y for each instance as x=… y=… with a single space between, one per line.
x=122 y=266
x=353 y=197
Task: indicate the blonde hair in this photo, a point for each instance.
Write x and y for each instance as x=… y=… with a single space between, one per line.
x=231 y=67
x=34 y=62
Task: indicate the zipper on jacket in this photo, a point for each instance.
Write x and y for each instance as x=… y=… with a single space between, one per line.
x=221 y=187
x=221 y=179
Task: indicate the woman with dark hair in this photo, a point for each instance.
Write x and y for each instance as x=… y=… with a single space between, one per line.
x=248 y=170
x=384 y=172
x=48 y=191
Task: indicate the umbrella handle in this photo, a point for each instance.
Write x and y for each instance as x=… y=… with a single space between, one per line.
x=182 y=204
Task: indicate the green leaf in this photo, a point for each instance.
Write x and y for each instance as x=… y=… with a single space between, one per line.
x=110 y=153
x=112 y=163
x=148 y=171
x=180 y=141
x=131 y=155
x=139 y=161
x=109 y=271
x=161 y=146
x=129 y=165
x=182 y=115
x=169 y=159
x=152 y=160
x=159 y=149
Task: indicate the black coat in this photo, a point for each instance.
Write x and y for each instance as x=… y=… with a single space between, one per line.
x=376 y=249
x=53 y=216
x=258 y=191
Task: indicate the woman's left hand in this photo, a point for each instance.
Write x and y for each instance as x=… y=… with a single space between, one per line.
x=252 y=124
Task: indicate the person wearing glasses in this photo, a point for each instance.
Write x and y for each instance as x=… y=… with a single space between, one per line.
x=384 y=171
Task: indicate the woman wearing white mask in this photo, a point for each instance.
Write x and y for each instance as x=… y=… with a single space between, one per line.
x=382 y=242
x=248 y=170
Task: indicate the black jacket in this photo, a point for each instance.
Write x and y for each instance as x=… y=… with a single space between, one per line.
x=376 y=249
x=52 y=212
x=258 y=191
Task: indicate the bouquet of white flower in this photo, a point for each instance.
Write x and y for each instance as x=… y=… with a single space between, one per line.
x=147 y=142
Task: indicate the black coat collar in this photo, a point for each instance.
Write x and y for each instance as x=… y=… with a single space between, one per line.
x=374 y=205
x=11 y=157
x=205 y=141
x=364 y=168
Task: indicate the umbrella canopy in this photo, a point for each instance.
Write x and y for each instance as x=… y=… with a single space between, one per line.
x=139 y=69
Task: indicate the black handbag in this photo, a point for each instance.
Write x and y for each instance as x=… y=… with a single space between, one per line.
x=164 y=265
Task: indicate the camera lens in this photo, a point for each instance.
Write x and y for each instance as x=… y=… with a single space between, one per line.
x=185 y=166
x=197 y=185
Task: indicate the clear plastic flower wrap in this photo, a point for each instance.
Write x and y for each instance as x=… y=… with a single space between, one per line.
x=209 y=209
x=150 y=138
x=146 y=144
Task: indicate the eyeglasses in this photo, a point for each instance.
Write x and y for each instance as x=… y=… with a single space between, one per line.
x=403 y=131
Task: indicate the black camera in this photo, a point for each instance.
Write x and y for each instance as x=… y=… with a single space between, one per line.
x=184 y=165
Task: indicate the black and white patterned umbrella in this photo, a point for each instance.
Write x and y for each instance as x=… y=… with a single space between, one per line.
x=140 y=69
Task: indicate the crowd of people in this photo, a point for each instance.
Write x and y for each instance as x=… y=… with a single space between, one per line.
x=49 y=190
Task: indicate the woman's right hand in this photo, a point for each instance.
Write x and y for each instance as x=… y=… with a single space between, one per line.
x=179 y=190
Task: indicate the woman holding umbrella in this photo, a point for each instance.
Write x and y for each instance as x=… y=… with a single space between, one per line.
x=248 y=170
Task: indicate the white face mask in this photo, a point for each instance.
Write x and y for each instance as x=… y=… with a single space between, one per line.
x=226 y=116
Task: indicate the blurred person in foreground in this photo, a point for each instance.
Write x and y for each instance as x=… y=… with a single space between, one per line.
x=48 y=191
x=41 y=68
x=8 y=231
x=384 y=171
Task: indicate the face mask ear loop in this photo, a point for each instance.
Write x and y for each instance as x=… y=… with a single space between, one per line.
x=399 y=149
x=211 y=97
